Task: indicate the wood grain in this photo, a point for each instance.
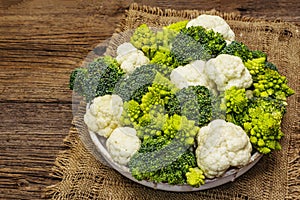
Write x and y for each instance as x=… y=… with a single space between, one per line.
x=40 y=43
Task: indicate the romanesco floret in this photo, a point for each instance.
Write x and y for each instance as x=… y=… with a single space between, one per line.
x=234 y=102
x=267 y=80
x=262 y=121
x=153 y=41
x=131 y=113
x=177 y=26
x=195 y=177
x=256 y=67
x=165 y=59
x=144 y=39
x=272 y=84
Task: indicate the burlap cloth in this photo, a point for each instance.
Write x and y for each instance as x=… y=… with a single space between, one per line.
x=276 y=176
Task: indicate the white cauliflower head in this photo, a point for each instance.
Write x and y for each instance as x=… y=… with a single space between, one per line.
x=215 y=23
x=191 y=75
x=122 y=144
x=222 y=144
x=103 y=115
x=130 y=57
x=227 y=71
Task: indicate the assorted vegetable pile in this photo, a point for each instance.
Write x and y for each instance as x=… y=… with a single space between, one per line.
x=184 y=103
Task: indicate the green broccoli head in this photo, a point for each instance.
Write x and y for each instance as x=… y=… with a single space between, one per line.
x=98 y=79
x=186 y=49
x=239 y=49
x=212 y=41
x=194 y=102
x=169 y=164
x=135 y=85
x=78 y=73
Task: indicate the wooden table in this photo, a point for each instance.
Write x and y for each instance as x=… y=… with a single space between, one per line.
x=40 y=43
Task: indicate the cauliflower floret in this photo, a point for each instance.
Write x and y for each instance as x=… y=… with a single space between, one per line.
x=103 y=115
x=130 y=57
x=191 y=75
x=215 y=23
x=122 y=144
x=222 y=144
x=227 y=71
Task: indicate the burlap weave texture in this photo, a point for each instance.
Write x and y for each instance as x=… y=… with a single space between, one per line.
x=274 y=177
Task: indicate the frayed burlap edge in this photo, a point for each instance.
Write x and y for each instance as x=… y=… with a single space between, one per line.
x=70 y=164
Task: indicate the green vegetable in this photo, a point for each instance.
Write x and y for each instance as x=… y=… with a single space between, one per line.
x=150 y=41
x=267 y=81
x=272 y=84
x=239 y=49
x=195 y=177
x=144 y=39
x=168 y=163
x=178 y=26
x=98 y=79
x=234 y=102
x=212 y=41
x=165 y=59
x=194 y=102
x=186 y=49
x=261 y=121
x=256 y=67
x=271 y=66
x=131 y=113
x=79 y=74
x=135 y=85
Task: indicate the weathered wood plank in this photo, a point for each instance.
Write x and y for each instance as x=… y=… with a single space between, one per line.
x=31 y=135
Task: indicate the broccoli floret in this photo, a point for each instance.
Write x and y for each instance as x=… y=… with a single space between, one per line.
x=151 y=144
x=195 y=177
x=258 y=54
x=261 y=121
x=76 y=76
x=169 y=164
x=194 y=102
x=212 y=41
x=239 y=49
x=135 y=85
x=186 y=49
x=271 y=66
x=98 y=79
